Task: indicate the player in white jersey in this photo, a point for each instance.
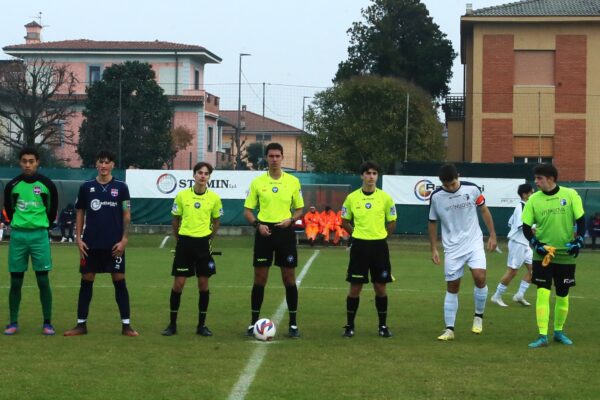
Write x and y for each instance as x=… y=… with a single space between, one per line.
x=455 y=205
x=519 y=253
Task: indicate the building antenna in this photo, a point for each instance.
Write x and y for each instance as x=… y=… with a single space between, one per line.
x=39 y=18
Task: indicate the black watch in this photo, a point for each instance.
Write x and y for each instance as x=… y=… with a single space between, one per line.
x=255 y=223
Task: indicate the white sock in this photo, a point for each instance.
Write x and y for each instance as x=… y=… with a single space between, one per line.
x=500 y=290
x=125 y=321
x=450 y=308
x=480 y=295
x=522 y=288
x=81 y=321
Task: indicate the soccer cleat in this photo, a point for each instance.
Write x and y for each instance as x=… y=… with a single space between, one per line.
x=70 y=240
x=11 y=329
x=560 y=337
x=80 y=329
x=477 y=325
x=63 y=239
x=250 y=331
x=541 y=341
x=169 y=330
x=129 y=331
x=447 y=335
x=204 y=331
x=293 y=332
x=521 y=299
x=48 y=330
x=498 y=300
x=384 y=332
x=348 y=331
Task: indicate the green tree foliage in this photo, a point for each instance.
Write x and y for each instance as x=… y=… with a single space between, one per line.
x=145 y=118
x=256 y=155
x=398 y=38
x=364 y=118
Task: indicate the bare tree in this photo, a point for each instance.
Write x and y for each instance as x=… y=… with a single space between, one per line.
x=36 y=100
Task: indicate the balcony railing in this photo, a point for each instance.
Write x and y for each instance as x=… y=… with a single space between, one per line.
x=454 y=108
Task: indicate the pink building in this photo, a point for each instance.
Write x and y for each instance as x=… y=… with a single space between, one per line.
x=179 y=70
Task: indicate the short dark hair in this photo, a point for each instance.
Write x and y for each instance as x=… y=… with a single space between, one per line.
x=524 y=188
x=203 y=164
x=448 y=172
x=273 y=146
x=105 y=154
x=29 y=151
x=367 y=165
x=546 y=169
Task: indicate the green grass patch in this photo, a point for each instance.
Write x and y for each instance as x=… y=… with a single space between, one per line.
x=322 y=364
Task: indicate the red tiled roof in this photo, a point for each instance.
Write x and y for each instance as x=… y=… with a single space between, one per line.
x=100 y=45
x=79 y=97
x=255 y=123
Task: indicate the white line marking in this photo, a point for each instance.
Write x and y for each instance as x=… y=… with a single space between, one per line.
x=240 y=389
x=164 y=241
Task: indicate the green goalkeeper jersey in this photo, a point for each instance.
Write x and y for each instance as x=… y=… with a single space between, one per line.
x=31 y=202
x=555 y=216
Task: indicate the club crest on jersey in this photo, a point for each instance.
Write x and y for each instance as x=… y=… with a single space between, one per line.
x=467 y=197
x=275 y=189
x=563 y=202
x=368 y=206
x=37 y=190
x=196 y=205
x=114 y=192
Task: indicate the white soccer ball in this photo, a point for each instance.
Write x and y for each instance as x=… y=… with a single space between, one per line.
x=264 y=330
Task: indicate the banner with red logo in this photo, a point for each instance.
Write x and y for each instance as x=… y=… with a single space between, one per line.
x=498 y=192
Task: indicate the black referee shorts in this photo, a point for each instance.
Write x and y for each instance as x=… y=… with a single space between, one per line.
x=369 y=256
x=192 y=257
x=281 y=242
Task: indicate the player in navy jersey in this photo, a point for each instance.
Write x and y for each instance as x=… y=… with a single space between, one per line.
x=103 y=207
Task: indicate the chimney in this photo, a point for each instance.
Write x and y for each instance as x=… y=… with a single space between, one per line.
x=34 y=31
x=469 y=9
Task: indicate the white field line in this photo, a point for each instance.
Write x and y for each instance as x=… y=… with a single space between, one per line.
x=240 y=389
x=164 y=241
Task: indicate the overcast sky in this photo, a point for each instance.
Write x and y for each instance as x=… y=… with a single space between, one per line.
x=296 y=46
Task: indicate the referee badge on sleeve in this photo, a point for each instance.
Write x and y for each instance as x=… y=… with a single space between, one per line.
x=174 y=208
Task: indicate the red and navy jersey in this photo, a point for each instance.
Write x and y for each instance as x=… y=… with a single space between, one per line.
x=104 y=205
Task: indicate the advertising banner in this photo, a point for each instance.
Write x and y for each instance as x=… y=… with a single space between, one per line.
x=416 y=190
x=164 y=184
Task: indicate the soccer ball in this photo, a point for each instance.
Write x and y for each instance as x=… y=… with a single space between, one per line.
x=264 y=330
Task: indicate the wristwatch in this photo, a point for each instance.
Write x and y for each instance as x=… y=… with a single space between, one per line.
x=255 y=223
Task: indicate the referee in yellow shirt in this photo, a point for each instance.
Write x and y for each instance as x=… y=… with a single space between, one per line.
x=369 y=215
x=196 y=212
x=278 y=198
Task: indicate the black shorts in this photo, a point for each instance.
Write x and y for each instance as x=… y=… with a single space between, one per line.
x=192 y=257
x=100 y=261
x=563 y=275
x=369 y=256
x=282 y=242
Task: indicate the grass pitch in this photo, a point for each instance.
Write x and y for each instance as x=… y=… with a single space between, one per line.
x=411 y=365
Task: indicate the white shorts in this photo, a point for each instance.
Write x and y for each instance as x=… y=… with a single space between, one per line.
x=518 y=254
x=454 y=267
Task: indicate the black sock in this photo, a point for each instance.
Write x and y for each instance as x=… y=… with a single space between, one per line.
x=174 y=301
x=291 y=297
x=85 y=298
x=381 y=303
x=479 y=315
x=258 y=294
x=122 y=297
x=203 y=307
x=351 y=308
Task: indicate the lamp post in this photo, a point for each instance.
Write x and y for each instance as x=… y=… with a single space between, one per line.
x=303 y=105
x=238 y=128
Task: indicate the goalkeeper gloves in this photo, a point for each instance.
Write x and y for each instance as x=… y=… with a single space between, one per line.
x=539 y=247
x=574 y=246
